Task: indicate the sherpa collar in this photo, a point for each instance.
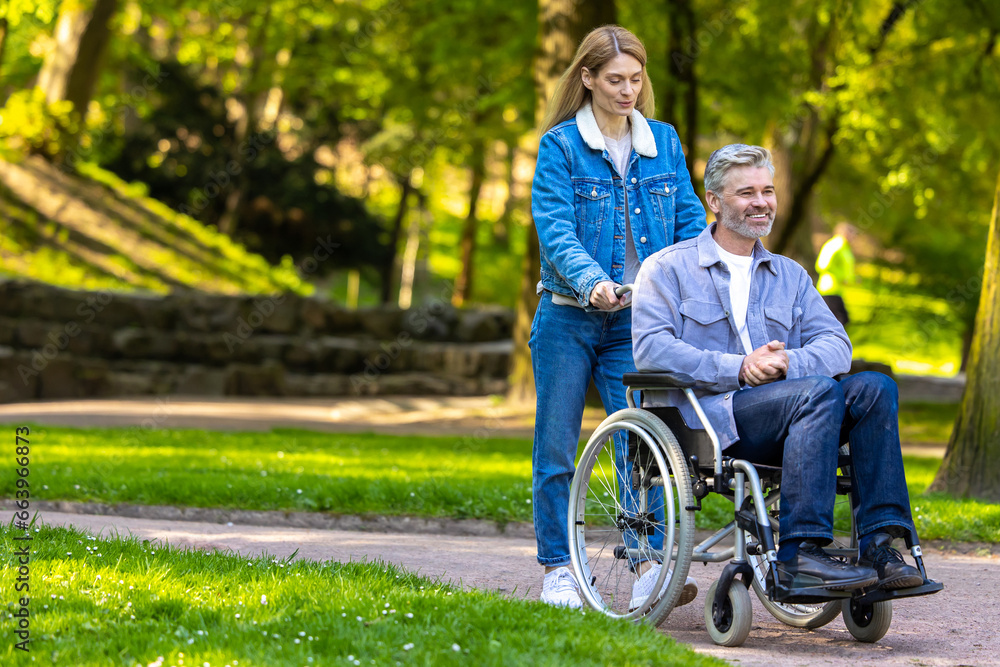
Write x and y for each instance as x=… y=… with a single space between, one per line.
x=642 y=136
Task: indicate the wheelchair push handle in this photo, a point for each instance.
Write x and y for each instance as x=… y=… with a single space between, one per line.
x=623 y=289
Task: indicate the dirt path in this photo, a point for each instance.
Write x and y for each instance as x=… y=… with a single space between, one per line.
x=958 y=626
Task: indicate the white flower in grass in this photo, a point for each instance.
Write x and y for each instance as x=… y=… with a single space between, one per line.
x=409 y=615
x=237 y=615
x=360 y=619
x=263 y=599
x=407 y=647
x=302 y=634
x=456 y=647
x=298 y=641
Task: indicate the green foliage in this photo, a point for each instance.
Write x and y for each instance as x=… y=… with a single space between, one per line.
x=894 y=321
x=122 y=601
x=376 y=92
x=29 y=124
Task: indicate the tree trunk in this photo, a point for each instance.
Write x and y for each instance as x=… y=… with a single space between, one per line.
x=463 y=284
x=70 y=70
x=3 y=42
x=971 y=466
x=245 y=124
x=562 y=24
x=408 y=272
x=501 y=229
x=389 y=268
x=682 y=67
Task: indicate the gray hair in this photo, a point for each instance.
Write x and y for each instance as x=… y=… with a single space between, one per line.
x=734 y=155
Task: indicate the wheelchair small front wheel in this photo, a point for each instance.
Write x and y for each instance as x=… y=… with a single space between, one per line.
x=735 y=617
x=867 y=622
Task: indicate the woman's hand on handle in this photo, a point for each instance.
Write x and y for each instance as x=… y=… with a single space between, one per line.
x=605 y=295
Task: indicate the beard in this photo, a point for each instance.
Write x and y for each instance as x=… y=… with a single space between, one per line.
x=737 y=222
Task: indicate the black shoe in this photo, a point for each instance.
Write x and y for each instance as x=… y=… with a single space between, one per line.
x=813 y=567
x=893 y=572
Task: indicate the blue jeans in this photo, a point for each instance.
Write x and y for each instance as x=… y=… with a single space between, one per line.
x=799 y=425
x=569 y=346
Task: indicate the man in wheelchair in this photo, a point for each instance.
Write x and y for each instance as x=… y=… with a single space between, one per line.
x=765 y=351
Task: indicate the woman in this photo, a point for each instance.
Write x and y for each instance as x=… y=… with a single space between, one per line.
x=610 y=189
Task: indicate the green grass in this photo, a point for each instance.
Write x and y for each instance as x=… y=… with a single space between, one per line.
x=125 y=602
x=927 y=422
x=369 y=474
x=284 y=470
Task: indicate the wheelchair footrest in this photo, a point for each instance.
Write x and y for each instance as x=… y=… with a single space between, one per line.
x=927 y=588
x=807 y=595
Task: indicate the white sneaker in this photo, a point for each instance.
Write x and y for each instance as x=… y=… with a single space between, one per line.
x=643 y=586
x=559 y=589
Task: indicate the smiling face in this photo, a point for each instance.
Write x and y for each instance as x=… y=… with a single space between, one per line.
x=746 y=206
x=616 y=86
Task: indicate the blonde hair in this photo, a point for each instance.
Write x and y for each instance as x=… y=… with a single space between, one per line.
x=595 y=51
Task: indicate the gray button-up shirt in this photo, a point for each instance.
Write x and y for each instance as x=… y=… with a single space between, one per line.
x=681 y=322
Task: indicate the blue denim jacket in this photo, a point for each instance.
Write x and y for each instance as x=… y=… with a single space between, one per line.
x=578 y=201
x=681 y=323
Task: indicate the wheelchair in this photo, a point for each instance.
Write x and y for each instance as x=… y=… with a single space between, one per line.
x=641 y=478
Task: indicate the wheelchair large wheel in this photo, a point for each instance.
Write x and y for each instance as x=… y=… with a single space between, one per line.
x=630 y=503
x=797 y=615
x=867 y=622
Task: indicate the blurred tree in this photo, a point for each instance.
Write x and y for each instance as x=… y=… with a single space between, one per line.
x=74 y=62
x=971 y=465
x=682 y=89
x=562 y=25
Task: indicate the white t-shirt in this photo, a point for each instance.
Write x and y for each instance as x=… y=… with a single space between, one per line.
x=620 y=151
x=740 y=272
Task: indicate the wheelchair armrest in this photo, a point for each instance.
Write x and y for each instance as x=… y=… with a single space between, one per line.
x=659 y=380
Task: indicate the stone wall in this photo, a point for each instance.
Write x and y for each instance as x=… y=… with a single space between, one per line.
x=59 y=343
